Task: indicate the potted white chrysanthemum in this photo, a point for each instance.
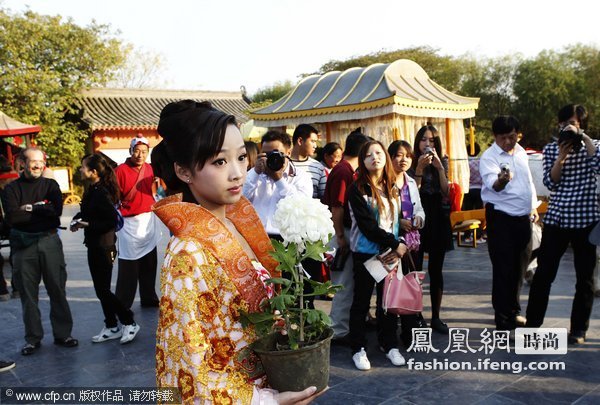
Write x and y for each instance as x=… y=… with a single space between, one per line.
x=294 y=340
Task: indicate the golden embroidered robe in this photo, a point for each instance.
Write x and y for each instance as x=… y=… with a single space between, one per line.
x=206 y=279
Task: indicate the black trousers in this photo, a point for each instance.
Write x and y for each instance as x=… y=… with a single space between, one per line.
x=387 y=324
x=555 y=241
x=100 y=261
x=3 y=286
x=142 y=269
x=509 y=246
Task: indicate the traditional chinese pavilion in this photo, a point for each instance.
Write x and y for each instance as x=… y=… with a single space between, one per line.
x=388 y=101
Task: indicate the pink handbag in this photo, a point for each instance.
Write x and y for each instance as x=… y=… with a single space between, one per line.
x=403 y=294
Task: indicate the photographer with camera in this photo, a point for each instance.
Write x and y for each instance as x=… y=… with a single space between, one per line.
x=273 y=178
x=509 y=197
x=571 y=164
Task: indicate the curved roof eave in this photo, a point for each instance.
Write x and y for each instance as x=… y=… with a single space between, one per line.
x=445 y=109
x=403 y=83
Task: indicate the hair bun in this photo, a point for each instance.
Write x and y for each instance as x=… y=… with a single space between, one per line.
x=174 y=114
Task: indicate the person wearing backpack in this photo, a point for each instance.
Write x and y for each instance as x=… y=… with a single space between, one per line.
x=98 y=219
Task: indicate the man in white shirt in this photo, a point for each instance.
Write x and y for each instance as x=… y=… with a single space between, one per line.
x=509 y=197
x=265 y=186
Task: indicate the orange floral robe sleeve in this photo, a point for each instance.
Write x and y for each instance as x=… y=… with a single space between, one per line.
x=201 y=346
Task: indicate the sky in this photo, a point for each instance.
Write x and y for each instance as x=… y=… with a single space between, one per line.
x=224 y=44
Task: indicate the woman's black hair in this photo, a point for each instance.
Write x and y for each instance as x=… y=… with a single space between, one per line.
x=331 y=148
x=106 y=174
x=437 y=143
x=394 y=146
x=565 y=113
x=192 y=132
x=328 y=150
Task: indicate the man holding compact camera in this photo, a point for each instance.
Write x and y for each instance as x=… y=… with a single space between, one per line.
x=571 y=165
x=274 y=178
x=509 y=198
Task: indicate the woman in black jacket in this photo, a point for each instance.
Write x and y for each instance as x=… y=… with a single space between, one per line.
x=98 y=218
x=376 y=212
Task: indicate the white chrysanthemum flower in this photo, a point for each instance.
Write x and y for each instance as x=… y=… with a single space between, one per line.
x=302 y=219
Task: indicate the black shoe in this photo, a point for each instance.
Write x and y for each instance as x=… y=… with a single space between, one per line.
x=6 y=365
x=66 y=342
x=576 y=337
x=439 y=326
x=30 y=348
x=152 y=304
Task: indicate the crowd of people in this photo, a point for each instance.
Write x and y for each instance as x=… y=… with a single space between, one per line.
x=389 y=201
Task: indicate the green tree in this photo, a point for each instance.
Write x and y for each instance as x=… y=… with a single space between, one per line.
x=542 y=86
x=45 y=61
x=268 y=94
x=585 y=61
x=444 y=70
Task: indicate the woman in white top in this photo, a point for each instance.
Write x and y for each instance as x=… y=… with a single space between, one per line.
x=402 y=154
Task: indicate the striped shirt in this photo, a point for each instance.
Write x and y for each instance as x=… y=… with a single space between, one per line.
x=574 y=199
x=316 y=172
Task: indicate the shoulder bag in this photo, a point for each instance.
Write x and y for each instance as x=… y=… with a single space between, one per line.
x=403 y=294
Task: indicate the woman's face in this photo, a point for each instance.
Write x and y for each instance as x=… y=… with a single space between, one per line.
x=86 y=172
x=375 y=158
x=571 y=121
x=220 y=181
x=402 y=160
x=426 y=141
x=333 y=159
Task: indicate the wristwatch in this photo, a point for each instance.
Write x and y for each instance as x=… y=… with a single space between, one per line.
x=28 y=207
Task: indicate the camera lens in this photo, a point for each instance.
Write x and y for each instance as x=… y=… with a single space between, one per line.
x=275 y=160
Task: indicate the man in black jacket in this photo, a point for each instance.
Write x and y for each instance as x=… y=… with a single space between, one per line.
x=33 y=205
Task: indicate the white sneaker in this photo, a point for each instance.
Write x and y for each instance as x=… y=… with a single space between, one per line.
x=361 y=361
x=107 y=334
x=129 y=332
x=395 y=357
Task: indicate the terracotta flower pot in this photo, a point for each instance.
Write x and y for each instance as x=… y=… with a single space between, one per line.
x=295 y=370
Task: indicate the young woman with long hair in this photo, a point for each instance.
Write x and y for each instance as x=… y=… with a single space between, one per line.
x=376 y=214
x=401 y=153
x=98 y=219
x=429 y=171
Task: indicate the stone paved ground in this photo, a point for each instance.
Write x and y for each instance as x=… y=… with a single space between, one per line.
x=466 y=304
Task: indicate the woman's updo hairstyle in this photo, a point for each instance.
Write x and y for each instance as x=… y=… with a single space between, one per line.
x=192 y=132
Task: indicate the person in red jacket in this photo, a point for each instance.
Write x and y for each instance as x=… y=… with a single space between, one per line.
x=139 y=236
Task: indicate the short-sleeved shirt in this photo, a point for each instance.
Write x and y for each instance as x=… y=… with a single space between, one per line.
x=143 y=198
x=317 y=173
x=338 y=182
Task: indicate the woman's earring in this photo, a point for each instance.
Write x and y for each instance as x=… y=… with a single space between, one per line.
x=188 y=180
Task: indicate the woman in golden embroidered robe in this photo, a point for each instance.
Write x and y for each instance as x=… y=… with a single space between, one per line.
x=213 y=266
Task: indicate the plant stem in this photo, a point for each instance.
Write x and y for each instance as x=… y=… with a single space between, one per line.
x=301 y=286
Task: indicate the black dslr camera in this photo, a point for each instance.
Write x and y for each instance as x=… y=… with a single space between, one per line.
x=275 y=160
x=575 y=138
